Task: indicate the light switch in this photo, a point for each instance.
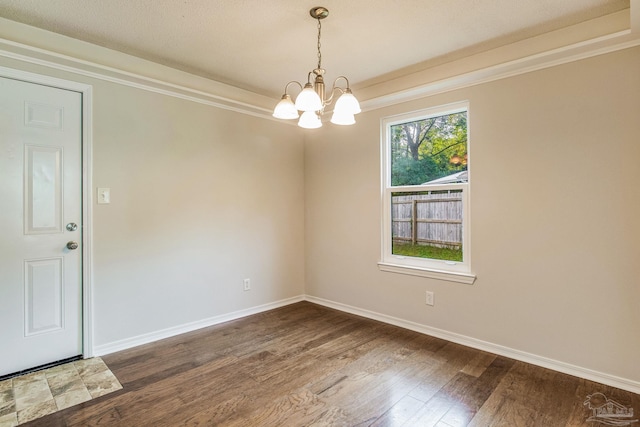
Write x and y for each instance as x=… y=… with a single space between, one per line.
x=104 y=196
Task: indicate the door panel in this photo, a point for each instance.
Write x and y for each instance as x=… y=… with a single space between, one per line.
x=42 y=189
x=40 y=193
x=43 y=296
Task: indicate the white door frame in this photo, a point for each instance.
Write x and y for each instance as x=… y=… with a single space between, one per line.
x=87 y=194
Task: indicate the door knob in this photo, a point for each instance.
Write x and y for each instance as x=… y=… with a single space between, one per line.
x=72 y=245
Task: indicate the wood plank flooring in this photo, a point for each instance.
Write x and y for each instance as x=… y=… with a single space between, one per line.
x=307 y=365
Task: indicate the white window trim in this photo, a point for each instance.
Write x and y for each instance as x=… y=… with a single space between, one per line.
x=436 y=269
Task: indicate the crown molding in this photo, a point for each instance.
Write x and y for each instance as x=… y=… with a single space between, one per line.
x=35 y=46
x=599 y=36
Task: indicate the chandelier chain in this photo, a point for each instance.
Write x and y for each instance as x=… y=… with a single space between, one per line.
x=319 y=53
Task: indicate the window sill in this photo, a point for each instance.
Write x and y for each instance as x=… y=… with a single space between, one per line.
x=450 y=276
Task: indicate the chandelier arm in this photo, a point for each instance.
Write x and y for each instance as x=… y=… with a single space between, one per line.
x=286 y=88
x=329 y=100
x=338 y=88
x=341 y=77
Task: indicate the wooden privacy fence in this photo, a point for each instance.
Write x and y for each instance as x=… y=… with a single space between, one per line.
x=433 y=219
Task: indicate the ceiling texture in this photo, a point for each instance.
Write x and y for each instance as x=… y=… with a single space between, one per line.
x=260 y=45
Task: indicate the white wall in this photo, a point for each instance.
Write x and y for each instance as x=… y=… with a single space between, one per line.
x=554 y=217
x=201 y=198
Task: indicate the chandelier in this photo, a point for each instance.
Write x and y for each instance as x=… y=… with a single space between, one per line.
x=312 y=99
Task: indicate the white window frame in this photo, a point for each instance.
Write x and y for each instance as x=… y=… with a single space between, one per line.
x=424 y=267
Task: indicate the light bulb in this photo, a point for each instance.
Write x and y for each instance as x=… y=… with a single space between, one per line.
x=309 y=120
x=285 y=109
x=308 y=99
x=347 y=104
x=342 y=119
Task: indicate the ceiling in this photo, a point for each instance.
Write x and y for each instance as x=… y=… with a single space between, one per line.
x=260 y=45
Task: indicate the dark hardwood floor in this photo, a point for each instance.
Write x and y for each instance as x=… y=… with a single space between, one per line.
x=305 y=365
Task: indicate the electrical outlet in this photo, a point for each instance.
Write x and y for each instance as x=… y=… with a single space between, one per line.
x=247 y=284
x=429 y=300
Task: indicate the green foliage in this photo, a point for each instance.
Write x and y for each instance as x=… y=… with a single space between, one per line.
x=407 y=171
x=428 y=149
x=424 y=251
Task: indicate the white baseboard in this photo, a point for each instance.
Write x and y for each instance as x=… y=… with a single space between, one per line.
x=127 y=343
x=566 y=368
x=600 y=377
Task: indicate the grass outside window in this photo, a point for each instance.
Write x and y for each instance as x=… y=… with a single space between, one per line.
x=426 y=251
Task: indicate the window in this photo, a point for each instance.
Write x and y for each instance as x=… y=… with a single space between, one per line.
x=425 y=170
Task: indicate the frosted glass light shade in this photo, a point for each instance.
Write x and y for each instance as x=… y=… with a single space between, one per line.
x=347 y=104
x=342 y=119
x=285 y=109
x=308 y=99
x=309 y=120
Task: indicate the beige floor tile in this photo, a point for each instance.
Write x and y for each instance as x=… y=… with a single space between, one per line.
x=66 y=373
x=9 y=420
x=6 y=394
x=60 y=370
x=32 y=394
x=7 y=401
x=89 y=361
x=72 y=397
x=101 y=384
x=7 y=407
x=37 y=411
x=87 y=367
x=61 y=384
x=28 y=379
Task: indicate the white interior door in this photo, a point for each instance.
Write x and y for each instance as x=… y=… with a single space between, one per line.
x=40 y=200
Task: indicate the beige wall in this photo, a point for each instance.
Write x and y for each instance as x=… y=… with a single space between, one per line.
x=554 y=217
x=201 y=198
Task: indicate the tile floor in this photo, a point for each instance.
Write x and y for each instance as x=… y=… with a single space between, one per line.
x=40 y=393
